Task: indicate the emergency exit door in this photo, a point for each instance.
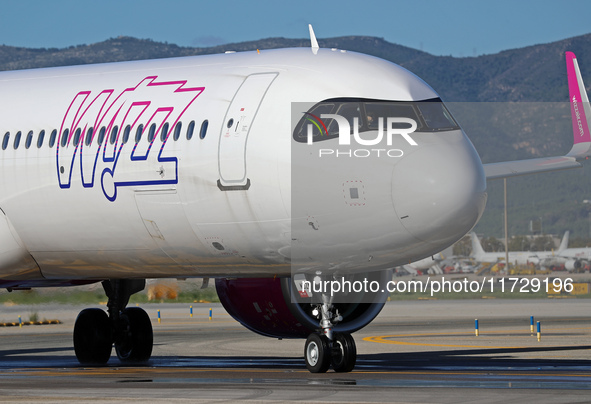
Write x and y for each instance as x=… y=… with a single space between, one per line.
x=235 y=129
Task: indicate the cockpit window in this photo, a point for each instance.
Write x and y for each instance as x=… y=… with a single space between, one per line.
x=436 y=116
x=430 y=116
x=349 y=110
x=376 y=110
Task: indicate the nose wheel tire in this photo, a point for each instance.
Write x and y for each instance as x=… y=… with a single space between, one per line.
x=317 y=353
x=135 y=339
x=92 y=337
x=344 y=353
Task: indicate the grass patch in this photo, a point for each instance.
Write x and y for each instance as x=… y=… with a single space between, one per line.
x=207 y=295
x=73 y=296
x=60 y=296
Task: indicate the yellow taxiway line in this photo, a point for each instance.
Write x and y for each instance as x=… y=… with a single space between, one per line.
x=388 y=339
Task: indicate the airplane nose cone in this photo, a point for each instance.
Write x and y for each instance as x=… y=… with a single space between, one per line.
x=439 y=190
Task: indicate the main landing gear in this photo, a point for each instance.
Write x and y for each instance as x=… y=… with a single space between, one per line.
x=327 y=347
x=129 y=329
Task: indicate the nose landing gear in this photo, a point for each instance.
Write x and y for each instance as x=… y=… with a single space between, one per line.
x=330 y=348
x=344 y=352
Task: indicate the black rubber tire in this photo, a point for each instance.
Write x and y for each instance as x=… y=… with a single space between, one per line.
x=136 y=340
x=344 y=354
x=317 y=353
x=92 y=337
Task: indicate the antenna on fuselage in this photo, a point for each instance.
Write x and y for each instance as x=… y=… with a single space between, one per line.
x=313 y=40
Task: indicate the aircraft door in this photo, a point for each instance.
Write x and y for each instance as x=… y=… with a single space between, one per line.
x=235 y=130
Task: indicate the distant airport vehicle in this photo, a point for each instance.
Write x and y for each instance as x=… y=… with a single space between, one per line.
x=515 y=257
x=184 y=167
x=426 y=265
x=460 y=266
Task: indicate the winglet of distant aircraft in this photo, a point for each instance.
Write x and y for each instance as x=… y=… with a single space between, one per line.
x=581 y=149
x=477 y=250
x=564 y=243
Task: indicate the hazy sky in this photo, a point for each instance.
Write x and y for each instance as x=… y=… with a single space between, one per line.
x=450 y=27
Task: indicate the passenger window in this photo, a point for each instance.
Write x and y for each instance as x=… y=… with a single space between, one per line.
x=40 y=139
x=65 y=135
x=5 y=140
x=126 y=134
x=190 y=130
x=203 y=130
x=52 y=138
x=17 y=139
x=29 y=139
x=138 y=133
x=152 y=133
x=89 y=132
x=114 y=132
x=164 y=132
x=77 y=136
x=177 y=131
x=101 y=136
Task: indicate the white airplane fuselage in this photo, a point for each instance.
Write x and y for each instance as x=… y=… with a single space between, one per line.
x=515 y=257
x=220 y=203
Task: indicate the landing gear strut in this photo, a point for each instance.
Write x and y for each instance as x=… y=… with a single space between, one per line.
x=129 y=329
x=327 y=347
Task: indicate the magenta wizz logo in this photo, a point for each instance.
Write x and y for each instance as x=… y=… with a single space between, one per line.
x=103 y=129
